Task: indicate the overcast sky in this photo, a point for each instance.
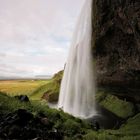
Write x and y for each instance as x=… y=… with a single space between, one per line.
x=35 y=35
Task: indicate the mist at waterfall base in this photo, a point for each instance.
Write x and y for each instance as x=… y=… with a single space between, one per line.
x=77 y=90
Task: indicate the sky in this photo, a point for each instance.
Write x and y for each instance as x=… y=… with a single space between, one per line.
x=35 y=35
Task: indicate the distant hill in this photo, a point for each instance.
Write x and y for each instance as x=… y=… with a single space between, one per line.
x=43 y=76
x=31 y=77
x=7 y=78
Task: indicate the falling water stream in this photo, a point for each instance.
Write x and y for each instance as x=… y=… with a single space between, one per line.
x=77 y=90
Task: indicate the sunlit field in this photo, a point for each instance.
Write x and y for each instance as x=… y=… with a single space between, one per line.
x=21 y=87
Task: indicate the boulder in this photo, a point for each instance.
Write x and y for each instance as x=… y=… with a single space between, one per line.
x=24 y=116
x=22 y=98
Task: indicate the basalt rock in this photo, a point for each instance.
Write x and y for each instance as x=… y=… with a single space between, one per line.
x=116 y=45
x=22 y=125
x=22 y=98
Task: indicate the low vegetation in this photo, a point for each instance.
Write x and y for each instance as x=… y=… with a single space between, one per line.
x=66 y=124
x=71 y=128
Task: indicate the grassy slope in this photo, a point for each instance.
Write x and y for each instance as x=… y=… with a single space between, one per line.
x=128 y=131
x=72 y=127
x=51 y=89
x=38 y=92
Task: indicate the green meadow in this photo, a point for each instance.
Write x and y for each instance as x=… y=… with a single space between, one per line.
x=35 y=89
x=21 y=87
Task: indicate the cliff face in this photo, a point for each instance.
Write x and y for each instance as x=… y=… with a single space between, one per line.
x=116 y=45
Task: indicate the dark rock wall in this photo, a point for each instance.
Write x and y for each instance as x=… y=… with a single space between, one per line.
x=116 y=44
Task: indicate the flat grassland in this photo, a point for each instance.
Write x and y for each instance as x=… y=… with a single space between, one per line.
x=21 y=87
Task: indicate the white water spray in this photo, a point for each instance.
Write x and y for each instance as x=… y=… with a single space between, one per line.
x=78 y=88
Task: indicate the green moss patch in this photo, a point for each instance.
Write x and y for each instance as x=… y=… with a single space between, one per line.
x=112 y=103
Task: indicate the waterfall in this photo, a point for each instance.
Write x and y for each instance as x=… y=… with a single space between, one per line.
x=77 y=90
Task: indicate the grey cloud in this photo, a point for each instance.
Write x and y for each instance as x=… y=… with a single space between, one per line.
x=2 y=55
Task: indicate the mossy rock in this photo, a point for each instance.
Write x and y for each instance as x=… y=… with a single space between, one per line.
x=53 y=97
x=112 y=103
x=53 y=91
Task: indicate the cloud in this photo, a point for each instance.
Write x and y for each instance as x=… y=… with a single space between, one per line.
x=35 y=35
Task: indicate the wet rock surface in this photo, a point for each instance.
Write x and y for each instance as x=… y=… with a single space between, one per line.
x=116 y=45
x=105 y=120
x=22 y=125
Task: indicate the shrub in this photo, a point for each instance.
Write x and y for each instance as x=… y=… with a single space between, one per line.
x=90 y=136
x=71 y=127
